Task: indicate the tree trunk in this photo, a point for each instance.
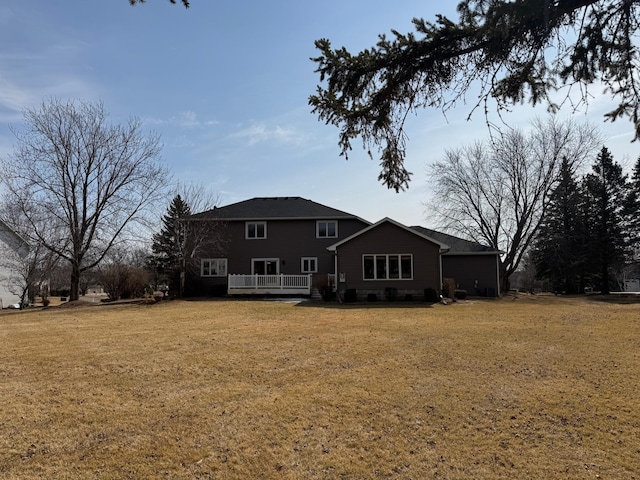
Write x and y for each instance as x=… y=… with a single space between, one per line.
x=74 y=293
x=605 y=289
x=504 y=280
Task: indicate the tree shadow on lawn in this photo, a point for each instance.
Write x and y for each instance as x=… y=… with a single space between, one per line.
x=334 y=304
x=624 y=298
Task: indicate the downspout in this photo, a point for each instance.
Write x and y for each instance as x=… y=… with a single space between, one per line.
x=442 y=251
x=336 y=275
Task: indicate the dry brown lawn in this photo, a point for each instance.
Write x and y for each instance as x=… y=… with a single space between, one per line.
x=537 y=387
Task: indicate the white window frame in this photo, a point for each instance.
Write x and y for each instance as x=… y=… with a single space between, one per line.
x=209 y=263
x=385 y=257
x=326 y=228
x=275 y=261
x=246 y=230
x=309 y=260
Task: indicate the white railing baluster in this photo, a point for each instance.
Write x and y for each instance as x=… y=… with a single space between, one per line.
x=299 y=284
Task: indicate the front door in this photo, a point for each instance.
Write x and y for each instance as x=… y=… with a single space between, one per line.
x=265 y=266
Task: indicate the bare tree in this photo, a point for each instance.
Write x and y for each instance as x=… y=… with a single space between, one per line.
x=28 y=272
x=495 y=193
x=182 y=241
x=28 y=264
x=81 y=182
x=121 y=275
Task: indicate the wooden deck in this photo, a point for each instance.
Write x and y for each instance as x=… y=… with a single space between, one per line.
x=269 y=285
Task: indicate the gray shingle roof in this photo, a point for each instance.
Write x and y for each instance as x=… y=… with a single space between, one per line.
x=458 y=245
x=273 y=208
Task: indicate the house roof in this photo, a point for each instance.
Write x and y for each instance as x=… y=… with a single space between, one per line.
x=457 y=245
x=11 y=238
x=443 y=246
x=274 y=208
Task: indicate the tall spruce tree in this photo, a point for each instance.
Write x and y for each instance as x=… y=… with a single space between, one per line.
x=499 y=52
x=632 y=212
x=169 y=245
x=605 y=190
x=557 y=253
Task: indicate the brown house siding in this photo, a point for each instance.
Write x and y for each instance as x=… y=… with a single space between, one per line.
x=287 y=240
x=388 y=238
x=477 y=274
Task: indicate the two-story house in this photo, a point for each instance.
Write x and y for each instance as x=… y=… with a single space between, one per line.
x=284 y=245
x=13 y=249
x=279 y=239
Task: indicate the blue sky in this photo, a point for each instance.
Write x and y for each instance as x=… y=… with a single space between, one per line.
x=226 y=84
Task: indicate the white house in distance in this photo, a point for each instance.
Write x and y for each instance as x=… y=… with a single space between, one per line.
x=12 y=246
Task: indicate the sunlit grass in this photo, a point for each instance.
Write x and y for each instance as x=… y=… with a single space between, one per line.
x=528 y=388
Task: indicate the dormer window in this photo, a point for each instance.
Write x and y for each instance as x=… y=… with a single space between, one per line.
x=327 y=229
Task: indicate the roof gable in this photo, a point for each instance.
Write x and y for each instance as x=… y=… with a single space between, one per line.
x=457 y=245
x=275 y=208
x=11 y=239
x=443 y=246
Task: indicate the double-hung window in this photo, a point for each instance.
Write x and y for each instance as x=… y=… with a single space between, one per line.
x=213 y=267
x=309 y=264
x=387 y=267
x=327 y=229
x=255 y=230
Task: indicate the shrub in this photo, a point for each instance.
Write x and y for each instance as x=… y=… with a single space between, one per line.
x=350 y=295
x=391 y=293
x=219 y=290
x=448 y=287
x=408 y=297
x=431 y=296
x=460 y=294
x=372 y=297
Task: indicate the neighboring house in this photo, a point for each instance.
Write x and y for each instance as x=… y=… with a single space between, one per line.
x=280 y=236
x=285 y=244
x=12 y=248
x=474 y=267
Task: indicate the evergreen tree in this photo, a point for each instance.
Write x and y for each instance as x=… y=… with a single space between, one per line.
x=184 y=2
x=511 y=51
x=169 y=245
x=182 y=242
x=557 y=252
x=605 y=190
x=632 y=212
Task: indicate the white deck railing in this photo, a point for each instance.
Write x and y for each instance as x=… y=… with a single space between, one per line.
x=278 y=284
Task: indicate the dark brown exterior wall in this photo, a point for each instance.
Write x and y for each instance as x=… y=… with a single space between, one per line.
x=390 y=239
x=287 y=240
x=466 y=270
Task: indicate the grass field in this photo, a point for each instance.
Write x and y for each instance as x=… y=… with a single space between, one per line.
x=536 y=387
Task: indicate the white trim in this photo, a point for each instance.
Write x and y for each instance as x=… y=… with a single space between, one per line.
x=269 y=284
x=443 y=247
x=326 y=222
x=274 y=260
x=386 y=255
x=222 y=271
x=308 y=259
x=256 y=223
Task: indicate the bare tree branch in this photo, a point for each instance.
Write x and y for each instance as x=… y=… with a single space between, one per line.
x=81 y=182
